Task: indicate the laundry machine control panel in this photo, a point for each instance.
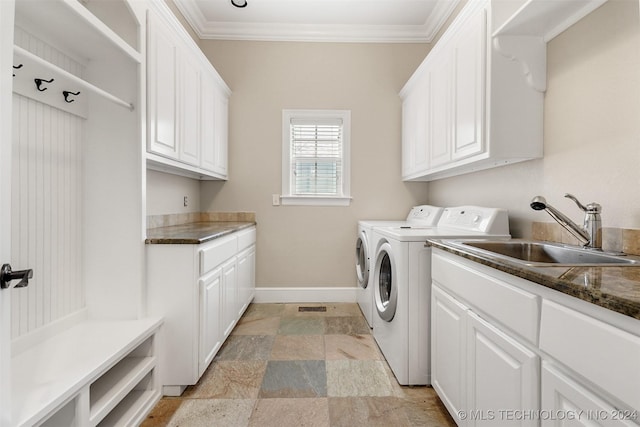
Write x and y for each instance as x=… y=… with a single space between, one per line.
x=424 y=215
x=476 y=218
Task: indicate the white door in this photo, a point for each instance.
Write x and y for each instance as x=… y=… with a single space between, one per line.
x=210 y=331
x=162 y=75
x=448 y=347
x=6 y=61
x=562 y=394
x=229 y=295
x=469 y=76
x=501 y=374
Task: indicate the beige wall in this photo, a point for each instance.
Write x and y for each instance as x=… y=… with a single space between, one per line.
x=312 y=246
x=166 y=193
x=592 y=130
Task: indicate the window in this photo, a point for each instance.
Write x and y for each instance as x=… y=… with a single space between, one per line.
x=315 y=157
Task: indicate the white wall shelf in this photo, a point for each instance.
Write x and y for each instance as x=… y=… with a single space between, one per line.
x=68 y=25
x=546 y=19
x=32 y=66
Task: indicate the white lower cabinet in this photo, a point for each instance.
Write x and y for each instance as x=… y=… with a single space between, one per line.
x=481 y=374
x=210 y=324
x=202 y=291
x=229 y=295
x=448 y=349
x=246 y=277
x=502 y=376
x=506 y=351
x=571 y=404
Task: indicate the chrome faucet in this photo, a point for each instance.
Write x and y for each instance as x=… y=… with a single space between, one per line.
x=589 y=235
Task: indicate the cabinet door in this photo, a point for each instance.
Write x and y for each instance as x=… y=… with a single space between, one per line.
x=210 y=330
x=189 y=112
x=207 y=147
x=580 y=407
x=162 y=85
x=448 y=347
x=440 y=108
x=415 y=118
x=246 y=278
x=502 y=375
x=221 y=131
x=229 y=295
x=468 y=86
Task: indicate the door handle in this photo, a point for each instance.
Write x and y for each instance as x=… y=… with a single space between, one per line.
x=7 y=275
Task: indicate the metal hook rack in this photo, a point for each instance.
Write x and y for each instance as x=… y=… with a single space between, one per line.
x=17 y=67
x=39 y=84
x=65 y=77
x=66 y=94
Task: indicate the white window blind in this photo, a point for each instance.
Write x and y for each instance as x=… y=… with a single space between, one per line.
x=316 y=156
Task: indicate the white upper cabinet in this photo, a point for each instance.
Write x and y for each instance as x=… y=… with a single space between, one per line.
x=188 y=103
x=469 y=57
x=487 y=77
x=414 y=128
x=189 y=95
x=162 y=90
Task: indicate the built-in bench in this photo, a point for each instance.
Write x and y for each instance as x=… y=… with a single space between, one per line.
x=94 y=373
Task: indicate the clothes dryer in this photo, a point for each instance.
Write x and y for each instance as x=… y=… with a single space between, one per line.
x=419 y=216
x=402 y=284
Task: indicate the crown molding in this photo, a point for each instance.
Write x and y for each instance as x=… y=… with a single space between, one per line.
x=317 y=33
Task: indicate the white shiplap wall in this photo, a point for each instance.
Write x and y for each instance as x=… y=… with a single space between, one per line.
x=46 y=204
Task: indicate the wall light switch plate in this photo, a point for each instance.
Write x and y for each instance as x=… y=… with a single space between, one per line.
x=275 y=199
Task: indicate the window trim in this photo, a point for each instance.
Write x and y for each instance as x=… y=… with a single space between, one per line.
x=286 y=197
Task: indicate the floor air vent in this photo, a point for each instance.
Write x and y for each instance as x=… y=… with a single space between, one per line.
x=320 y=309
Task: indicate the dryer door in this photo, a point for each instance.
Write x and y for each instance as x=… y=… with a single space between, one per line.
x=362 y=260
x=385 y=283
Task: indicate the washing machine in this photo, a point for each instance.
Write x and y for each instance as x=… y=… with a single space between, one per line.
x=401 y=281
x=419 y=216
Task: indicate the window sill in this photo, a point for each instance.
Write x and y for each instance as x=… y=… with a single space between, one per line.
x=314 y=201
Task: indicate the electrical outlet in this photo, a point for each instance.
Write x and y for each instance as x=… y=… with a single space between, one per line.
x=275 y=199
x=186 y=201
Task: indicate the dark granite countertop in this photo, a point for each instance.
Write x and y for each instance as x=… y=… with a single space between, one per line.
x=193 y=233
x=614 y=288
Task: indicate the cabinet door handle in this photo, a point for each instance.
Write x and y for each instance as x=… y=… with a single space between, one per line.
x=7 y=275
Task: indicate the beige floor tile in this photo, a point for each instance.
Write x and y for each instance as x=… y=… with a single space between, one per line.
x=298 y=347
x=229 y=380
x=257 y=326
x=213 y=412
x=346 y=325
x=357 y=378
x=367 y=411
x=291 y=413
x=263 y=310
x=358 y=347
x=162 y=412
x=301 y=326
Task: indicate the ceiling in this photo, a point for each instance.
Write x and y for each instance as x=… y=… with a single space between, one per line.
x=318 y=20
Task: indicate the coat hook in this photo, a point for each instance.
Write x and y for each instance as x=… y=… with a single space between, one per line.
x=40 y=81
x=16 y=68
x=66 y=94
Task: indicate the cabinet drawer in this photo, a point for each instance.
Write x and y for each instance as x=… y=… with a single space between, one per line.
x=602 y=353
x=246 y=238
x=216 y=252
x=515 y=308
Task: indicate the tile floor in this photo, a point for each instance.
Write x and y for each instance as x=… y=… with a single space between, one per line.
x=283 y=367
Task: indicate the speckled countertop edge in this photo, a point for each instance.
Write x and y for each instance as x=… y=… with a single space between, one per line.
x=194 y=233
x=617 y=288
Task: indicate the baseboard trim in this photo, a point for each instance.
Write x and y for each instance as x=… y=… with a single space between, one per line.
x=304 y=294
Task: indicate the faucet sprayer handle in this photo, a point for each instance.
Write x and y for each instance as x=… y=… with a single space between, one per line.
x=590 y=208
